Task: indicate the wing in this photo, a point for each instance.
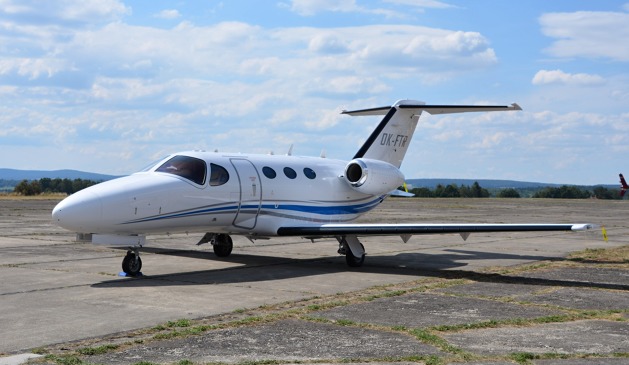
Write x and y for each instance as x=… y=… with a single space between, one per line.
x=407 y=230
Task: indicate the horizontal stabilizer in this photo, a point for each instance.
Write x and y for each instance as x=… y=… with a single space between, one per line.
x=450 y=109
x=392 y=136
x=435 y=109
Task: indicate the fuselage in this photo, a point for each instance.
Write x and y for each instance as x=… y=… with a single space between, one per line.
x=223 y=193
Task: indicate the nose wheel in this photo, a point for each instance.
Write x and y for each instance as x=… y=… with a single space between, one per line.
x=132 y=263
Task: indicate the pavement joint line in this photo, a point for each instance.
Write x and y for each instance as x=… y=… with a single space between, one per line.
x=44 y=290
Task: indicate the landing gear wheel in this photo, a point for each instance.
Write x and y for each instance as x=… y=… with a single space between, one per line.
x=132 y=264
x=353 y=250
x=353 y=261
x=223 y=245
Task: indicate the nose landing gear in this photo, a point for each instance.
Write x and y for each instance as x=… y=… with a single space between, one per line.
x=132 y=263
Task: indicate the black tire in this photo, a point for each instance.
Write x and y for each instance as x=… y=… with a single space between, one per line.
x=223 y=246
x=353 y=261
x=130 y=265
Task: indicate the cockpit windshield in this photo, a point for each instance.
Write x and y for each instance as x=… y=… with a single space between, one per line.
x=191 y=168
x=151 y=166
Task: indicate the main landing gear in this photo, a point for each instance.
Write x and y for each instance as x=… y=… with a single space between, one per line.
x=223 y=245
x=353 y=250
x=132 y=263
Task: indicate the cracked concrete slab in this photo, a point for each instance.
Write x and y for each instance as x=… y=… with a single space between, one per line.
x=582 y=299
x=579 y=337
x=494 y=289
x=598 y=277
x=420 y=310
x=588 y=361
x=286 y=340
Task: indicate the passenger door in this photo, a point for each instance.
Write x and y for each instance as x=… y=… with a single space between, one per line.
x=250 y=193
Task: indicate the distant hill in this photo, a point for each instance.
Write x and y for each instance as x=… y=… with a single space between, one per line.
x=19 y=175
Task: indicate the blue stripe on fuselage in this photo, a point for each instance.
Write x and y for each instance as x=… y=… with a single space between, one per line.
x=233 y=208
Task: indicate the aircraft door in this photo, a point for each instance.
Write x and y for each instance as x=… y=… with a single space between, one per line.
x=250 y=194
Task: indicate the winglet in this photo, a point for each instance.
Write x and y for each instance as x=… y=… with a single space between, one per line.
x=582 y=227
x=401 y=193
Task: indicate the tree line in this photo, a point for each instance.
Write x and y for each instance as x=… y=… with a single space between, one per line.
x=48 y=186
x=452 y=191
x=476 y=191
x=67 y=186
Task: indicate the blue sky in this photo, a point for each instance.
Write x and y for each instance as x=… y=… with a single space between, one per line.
x=109 y=85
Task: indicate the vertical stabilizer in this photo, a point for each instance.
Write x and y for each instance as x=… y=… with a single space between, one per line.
x=391 y=138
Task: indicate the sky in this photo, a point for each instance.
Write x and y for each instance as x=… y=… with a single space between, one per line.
x=109 y=86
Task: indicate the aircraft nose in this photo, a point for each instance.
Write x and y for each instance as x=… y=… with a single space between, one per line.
x=78 y=212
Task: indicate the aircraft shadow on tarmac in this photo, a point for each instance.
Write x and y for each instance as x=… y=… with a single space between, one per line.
x=268 y=268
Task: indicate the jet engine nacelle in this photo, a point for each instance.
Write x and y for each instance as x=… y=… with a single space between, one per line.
x=373 y=177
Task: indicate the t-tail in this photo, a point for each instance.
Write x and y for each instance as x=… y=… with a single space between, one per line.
x=391 y=138
x=623 y=185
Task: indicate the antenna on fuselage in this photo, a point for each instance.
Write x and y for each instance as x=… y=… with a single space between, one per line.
x=290 y=151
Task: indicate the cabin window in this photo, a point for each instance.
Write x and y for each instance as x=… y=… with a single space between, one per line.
x=190 y=168
x=218 y=175
x=290 y=173
x=310 y=173
x=269 y=172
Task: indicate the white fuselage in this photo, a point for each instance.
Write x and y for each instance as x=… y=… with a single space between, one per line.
x=236 y=193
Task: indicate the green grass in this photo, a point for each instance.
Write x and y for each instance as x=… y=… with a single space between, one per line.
x=97 y=350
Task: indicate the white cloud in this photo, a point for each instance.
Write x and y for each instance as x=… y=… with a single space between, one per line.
x=231 y=49
x=328 y=43
x=422 y=3
x=492 y=140
x=168 y=14
x=587 y=34
x=313 y=7
x=63 y=12
x=325 y=119
x=544 y=77
x=135 y=91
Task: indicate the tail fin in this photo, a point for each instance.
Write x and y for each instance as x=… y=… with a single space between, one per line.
x=623 y=185
x=391 y=138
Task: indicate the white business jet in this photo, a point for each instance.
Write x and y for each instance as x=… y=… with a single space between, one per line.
x=261 y=196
